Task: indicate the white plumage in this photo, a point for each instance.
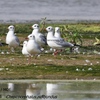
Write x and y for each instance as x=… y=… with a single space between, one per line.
x=56 y=42
x=24 y=49
x=32 y=45
x=57 y=32
x=11 y=39
x=32 y=91
x=39 y=37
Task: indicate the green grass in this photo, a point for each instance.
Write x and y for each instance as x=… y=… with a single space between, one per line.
x=50 y=72
x=25 y=28
x=64 y=66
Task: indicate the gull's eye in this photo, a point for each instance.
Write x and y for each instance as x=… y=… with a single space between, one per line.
x=34 y=25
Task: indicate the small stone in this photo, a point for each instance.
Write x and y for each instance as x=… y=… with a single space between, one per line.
x=89 y=68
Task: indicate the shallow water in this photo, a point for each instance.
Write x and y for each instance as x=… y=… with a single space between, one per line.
x=50 y=90
x=52 y=9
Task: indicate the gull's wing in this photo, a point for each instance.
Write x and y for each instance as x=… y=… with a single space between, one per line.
x=43 y=39
x=63 y=43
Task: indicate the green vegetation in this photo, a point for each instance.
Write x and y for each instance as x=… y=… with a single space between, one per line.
x=67 y=65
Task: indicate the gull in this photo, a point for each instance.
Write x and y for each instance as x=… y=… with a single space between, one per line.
x=11 y=39
x=32 y=46
x=24 y=49
x=57 y=33
x=40 y=38
x=54 y=42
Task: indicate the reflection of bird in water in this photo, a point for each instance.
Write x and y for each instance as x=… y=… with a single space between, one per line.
x=97 y=41
x=10 y=86
x=32 y=91
x=51 y=88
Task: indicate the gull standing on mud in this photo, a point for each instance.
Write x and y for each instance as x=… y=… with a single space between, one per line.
x=11 y=39
x=54 y=42
x=32 y=46
x=39 y=37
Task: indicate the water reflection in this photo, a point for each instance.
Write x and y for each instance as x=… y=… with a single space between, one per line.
x=56 y=90
x=32 y=92
x=11 y=86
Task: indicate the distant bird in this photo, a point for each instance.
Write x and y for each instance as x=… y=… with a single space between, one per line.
x=11 y=39
x=54 y=42
x=24 y=49
x=97 y=41
x=39 y=37
x=32 y=46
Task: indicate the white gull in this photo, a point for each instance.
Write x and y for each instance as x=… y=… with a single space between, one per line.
x=11 y=39
x=54 y=42
x=32 y=45
x=57 y=33
x=39 y=37
x=24 y=49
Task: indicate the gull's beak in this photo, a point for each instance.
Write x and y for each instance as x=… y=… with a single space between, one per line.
x=26 y=38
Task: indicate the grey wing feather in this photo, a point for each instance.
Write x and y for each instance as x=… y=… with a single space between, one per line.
x=17 y=40
x=63 y=43
x=43 y=39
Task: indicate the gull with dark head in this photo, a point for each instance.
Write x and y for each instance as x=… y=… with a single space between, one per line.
x=39 y=37
x=11 y=39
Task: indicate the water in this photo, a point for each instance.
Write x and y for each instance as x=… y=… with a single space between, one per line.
x=50 y=90
x=20 y=10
